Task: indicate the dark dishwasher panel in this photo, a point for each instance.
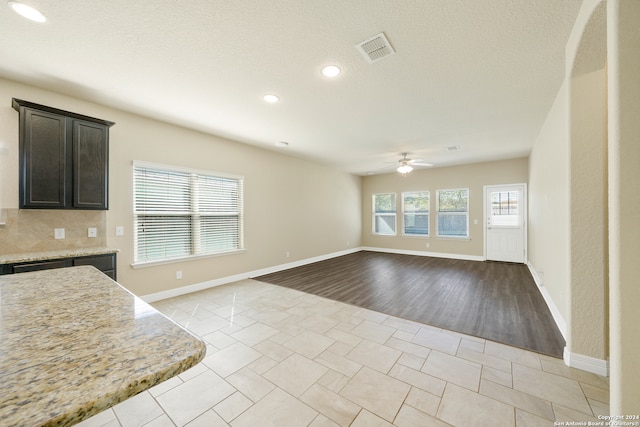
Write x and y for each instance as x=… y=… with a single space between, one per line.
x=44 y=265
x=103 y=262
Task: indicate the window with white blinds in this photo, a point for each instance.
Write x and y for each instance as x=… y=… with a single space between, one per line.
x=182 y=213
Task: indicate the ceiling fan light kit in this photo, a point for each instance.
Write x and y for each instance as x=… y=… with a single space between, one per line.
x=404 y=169
x=406 y=164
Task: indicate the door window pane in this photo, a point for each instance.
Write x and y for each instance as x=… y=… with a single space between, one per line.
x=505 y=208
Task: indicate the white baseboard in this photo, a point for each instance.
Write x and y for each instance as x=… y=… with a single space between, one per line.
x=586 y=363
x=242 y=276
x=557 y=317
x=424 y=253
x=306 y=261
x=574 y=360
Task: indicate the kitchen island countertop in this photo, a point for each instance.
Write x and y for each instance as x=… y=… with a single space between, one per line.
x=74 y=342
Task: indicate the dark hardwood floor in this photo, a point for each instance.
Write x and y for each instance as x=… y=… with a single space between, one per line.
x=492 y=300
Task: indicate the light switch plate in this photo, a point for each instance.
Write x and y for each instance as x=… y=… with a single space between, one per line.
x=92 y=232
x=119 y=230
x=58 y=233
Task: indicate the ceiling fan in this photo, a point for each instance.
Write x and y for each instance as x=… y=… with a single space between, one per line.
x=406 y=164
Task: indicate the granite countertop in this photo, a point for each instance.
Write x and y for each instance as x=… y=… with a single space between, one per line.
x=62 y=253
x=74 y=342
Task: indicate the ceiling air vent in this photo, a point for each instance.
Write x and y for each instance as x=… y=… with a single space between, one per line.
x=375 y=48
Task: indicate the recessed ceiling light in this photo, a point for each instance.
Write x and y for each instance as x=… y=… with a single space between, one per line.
x=453 y=148
x=271 y=99
x=27 y=11
x=330 y=71
x=282 y=144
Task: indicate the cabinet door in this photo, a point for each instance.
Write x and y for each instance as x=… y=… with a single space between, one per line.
x=90 y=165
x=44 y=154
x=105 y=263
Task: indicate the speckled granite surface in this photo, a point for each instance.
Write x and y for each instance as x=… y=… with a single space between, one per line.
x=73 y=343
x=63 y=253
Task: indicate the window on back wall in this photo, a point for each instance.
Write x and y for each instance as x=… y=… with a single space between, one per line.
x=453 y=212
x=415 y=213
x=182 y=213
x=384 y=214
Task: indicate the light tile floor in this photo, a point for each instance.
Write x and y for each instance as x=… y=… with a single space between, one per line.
x=280 y=357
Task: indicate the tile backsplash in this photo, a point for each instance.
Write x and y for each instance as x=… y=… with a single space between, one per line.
x=32 y=230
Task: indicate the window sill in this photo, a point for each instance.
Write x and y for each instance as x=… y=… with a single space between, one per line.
x=183 y=259
x=453 y=238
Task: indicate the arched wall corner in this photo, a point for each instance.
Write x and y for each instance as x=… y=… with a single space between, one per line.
x=586 y=83
x=586 y=49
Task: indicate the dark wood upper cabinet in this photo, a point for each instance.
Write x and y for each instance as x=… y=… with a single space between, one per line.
x=90 y=165
x=64 y=159
x=44 y=154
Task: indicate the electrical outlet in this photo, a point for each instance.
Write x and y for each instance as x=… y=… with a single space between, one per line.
x=119 y=230
x=428 y=244
x=58 y=233
x=287 y=254
x=92 y=232
x=178 y=274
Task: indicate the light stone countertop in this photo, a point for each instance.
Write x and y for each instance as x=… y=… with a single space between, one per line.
x=62 y=253
x=73 y=342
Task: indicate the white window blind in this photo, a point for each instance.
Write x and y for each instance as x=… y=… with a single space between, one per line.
x=182 y=213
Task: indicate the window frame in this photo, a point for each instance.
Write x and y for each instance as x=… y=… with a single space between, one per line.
x=428 y=214
x=465 y=213
x=194 y=213
x=375 y=215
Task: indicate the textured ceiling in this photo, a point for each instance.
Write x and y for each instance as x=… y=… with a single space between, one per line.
x=478 y=74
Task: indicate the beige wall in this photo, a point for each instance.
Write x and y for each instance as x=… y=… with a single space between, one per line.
x=575 y=262
x=473 y=176
x=8 y=155
x=549 y=213
x=588 y=180
x=568 y=197
x=290 y=205
x=623 y=59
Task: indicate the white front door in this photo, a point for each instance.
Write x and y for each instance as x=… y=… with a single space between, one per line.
x=505 y=222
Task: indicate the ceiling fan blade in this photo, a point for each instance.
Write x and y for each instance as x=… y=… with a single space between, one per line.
x=421 y=164
x=413 y=161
